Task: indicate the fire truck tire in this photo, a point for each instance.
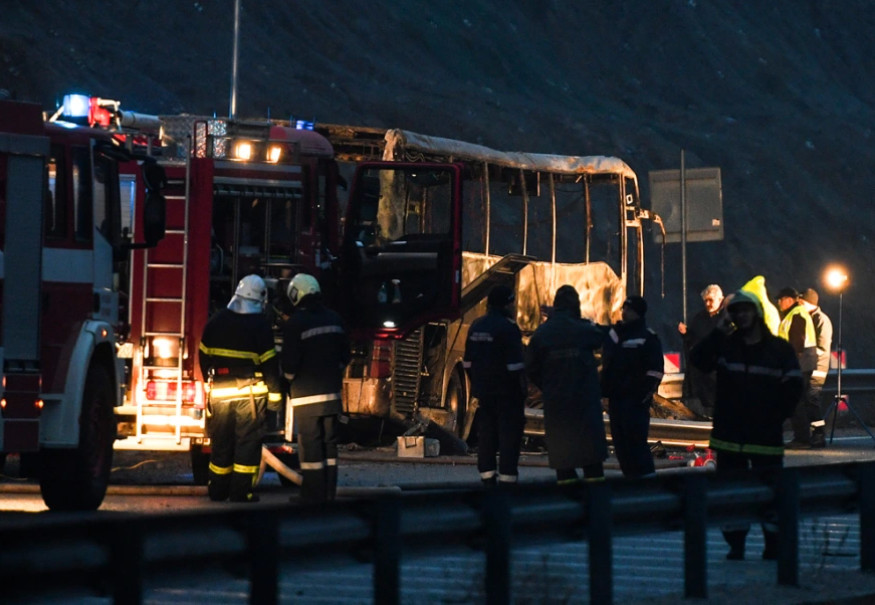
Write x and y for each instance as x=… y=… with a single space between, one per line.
x=456 y=402
x=200 y=464
x=76 y=478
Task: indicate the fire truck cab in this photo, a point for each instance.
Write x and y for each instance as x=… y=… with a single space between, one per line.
x=242 y=197
x=63 y=271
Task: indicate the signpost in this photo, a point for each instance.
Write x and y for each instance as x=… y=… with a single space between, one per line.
x=690 y=203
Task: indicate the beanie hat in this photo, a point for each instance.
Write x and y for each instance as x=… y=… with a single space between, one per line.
x=568 y=299
x=788 y=293
x=810 y=296
x=500 y=296
x=637 y=304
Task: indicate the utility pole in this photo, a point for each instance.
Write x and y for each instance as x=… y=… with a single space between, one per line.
x=232 y=114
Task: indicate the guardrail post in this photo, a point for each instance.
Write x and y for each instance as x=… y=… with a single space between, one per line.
x=788 y=527
x=387 y=550
x=126 y=561
x=867 y=516
x=695 y=537
x=264 y=555
x=495 y=516
x=598 y=511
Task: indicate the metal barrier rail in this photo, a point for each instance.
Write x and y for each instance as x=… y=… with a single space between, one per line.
x=115 y=551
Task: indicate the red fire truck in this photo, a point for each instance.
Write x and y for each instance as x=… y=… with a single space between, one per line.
x=242 y=197
x=63 y=269
x=433 y=224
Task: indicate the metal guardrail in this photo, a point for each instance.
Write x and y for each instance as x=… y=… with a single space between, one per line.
x=116 y=551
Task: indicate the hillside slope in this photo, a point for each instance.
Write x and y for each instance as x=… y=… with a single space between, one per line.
x=779 y=95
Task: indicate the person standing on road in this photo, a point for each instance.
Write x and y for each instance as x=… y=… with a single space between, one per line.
x=758 y=387
x=238 y=359
x=494 y=362
x=698 y=386
x=797 y=328
x=560 y=362
x=314 y=356
x=823 y=337
x=632 y=371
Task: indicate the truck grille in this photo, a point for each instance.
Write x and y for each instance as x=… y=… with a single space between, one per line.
x=406 y=371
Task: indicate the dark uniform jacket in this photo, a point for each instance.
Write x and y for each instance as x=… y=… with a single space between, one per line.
x=560 y=362
x=239 y=350
x=315 y=353
x=758 y=387
x=633 y=363
x=494 y=359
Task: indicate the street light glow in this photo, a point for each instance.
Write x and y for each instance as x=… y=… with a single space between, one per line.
x=835 y=278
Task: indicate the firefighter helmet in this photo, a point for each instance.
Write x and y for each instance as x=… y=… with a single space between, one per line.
x=302 y=285
x=250 y=296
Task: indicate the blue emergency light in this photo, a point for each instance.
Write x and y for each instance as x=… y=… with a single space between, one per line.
x=304 y=125
x=76 y=106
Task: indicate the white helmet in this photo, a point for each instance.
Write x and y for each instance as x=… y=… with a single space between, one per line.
x=302 y=285
x=250 y=296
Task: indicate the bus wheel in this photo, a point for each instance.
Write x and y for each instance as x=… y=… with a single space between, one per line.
x=200 y=464
x=76 y=478
x=456 y=402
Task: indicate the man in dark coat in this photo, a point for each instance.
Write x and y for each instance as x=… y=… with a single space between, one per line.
x=700 y=387
x=758 y=387
x=494 y=361
x=633 y=368
x=560 y=362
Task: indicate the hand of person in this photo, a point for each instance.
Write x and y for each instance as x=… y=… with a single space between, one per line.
x=682 y=328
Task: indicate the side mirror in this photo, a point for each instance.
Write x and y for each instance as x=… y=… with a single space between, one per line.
x=154 y=218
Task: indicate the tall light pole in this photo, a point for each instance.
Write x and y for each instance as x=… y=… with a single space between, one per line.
x=232 y=113
x=836 y=280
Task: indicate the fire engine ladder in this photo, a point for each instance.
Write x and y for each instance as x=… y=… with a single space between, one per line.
x=150 y=271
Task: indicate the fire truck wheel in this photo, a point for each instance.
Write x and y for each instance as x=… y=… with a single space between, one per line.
x=200 y=464
x=76 y=479
x=456 y=402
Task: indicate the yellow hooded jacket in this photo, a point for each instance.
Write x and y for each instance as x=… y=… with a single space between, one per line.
x=757 y=287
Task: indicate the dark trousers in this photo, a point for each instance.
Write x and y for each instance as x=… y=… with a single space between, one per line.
x=501 y=432
x=235 y=427
x=317 y=453
x=735 y=534
x=807 y=410
x=630 y=425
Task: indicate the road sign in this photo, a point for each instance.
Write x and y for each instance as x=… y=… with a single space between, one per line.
x=704 y=202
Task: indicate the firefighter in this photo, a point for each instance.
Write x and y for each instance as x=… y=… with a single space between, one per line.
x=494 y=361
x=758 y=387
x=315 y=353
x=560 y=360
x=238 y=358
x=633 y=368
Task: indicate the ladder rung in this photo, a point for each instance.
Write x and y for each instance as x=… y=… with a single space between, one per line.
x=164 y=265
x=178 y=334
x=163 y=369
x=162 y=299
x=174 y=197
x=174 y=232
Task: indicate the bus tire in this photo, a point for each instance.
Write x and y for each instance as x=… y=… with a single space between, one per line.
x=76 y=478
x=456 y=400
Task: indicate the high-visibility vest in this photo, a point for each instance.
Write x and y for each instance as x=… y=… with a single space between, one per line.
x=784 y=327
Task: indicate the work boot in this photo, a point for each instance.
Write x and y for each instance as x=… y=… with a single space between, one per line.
x=490 y=483
x=736 y=540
